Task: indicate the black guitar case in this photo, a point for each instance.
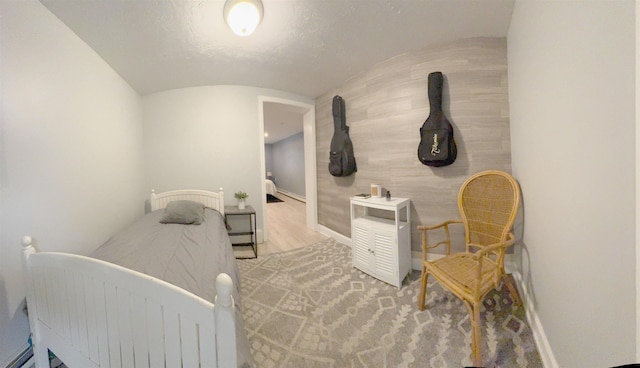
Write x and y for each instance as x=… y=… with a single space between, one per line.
x=437 y=147
x=341 y=159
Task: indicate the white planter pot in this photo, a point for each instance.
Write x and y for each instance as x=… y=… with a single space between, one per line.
x=241 y=204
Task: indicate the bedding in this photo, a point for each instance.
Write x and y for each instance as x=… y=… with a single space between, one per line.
x=183 y=212
x=271 y=187
x=187 y=256
x=94 y=313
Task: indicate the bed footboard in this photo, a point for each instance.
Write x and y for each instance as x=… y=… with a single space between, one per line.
x=92 y=313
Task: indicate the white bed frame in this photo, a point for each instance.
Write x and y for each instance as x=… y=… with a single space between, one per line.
x=210 y=199
x=92 y=313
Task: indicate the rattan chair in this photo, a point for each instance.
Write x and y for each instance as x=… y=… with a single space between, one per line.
x=488 y=204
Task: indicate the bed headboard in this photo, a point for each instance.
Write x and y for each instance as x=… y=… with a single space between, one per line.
x=213 y=200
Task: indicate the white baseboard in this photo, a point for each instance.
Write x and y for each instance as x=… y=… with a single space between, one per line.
x=542 y=343
x=332 y=234
x=20 y=358
x=540 y=337
x=292 y=195
x=29 y=363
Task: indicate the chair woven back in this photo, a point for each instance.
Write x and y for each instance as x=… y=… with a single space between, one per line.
x=488 y=203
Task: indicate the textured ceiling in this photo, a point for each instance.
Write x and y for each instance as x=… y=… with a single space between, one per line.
x=307 y=47
x=303 y=46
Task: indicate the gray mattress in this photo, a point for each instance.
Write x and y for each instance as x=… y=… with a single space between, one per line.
x=188 y=256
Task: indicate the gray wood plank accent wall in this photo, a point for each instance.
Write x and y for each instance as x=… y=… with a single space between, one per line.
x=385 y=108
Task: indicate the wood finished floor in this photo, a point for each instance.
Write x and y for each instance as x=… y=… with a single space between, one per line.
x=286 y=226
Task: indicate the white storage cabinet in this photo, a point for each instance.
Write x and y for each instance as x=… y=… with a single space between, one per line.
x=381 y=238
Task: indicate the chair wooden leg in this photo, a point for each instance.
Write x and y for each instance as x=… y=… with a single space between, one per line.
x=513 y=291
x=476 y=343
x=423 y=288
x=477 y=338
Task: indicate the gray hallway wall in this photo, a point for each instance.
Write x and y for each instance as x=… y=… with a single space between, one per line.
x=287 y=164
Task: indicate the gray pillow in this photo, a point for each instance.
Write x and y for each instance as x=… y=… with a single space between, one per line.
x=183 y=212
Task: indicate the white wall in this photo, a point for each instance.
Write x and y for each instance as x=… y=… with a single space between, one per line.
x=70 y=150
x=268 y=159
x=637 y=17
x=207 y=137
x=571 y=94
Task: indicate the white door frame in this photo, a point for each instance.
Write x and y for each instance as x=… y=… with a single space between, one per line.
x=637 y=81
x=309 y=132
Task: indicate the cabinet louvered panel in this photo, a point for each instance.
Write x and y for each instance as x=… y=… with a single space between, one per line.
x=381 y=238
x=360 y=247
x=383 y=248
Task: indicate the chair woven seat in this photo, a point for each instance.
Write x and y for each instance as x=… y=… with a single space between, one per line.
x=488 y=204
x=462 y=271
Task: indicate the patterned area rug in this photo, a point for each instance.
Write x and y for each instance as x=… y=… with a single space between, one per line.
x=310 y=308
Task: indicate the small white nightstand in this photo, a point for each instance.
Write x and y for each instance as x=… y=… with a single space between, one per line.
x=381 y=237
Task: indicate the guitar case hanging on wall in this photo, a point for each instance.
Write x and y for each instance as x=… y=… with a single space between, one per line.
x=341 y=159
x=437 y=147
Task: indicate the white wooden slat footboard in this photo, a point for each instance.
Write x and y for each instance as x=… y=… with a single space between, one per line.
x=91 y=313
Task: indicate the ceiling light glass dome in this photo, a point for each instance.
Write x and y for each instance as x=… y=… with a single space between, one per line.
x=243 y=16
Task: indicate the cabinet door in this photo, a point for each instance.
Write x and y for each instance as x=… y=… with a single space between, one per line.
x=385 y=250
x=360 y=247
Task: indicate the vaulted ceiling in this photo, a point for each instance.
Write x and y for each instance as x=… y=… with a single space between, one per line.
x=307 y=47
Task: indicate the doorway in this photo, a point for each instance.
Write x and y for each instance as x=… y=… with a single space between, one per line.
x=307 y=112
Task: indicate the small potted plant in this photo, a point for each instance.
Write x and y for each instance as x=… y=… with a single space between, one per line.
x=240 y=196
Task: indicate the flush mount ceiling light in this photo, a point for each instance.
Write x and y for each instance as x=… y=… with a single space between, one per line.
x=243 y=16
